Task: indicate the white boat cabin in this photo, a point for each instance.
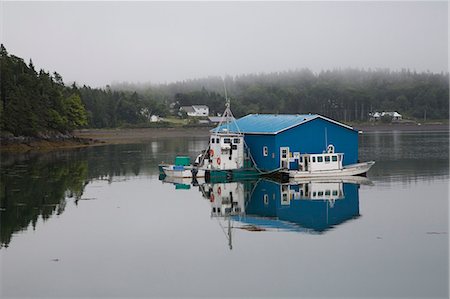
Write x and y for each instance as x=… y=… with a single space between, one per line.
x=226 y=151
x=317 y=162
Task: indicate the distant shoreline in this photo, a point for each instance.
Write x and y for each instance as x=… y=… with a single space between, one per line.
x=97 y=137
x=401 y=127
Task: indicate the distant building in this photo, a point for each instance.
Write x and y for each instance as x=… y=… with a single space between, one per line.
x=196 y=110
x=155 y=119
x=375 y=116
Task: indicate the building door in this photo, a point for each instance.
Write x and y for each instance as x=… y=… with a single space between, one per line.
x=284 y=157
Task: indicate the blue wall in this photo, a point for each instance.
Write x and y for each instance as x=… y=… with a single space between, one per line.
x=306 y=138
x=256 y=144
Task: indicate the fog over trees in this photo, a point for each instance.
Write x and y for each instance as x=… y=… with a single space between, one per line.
x=34 y=102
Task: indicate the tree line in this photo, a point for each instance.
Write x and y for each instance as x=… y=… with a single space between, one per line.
x=34 y=102
x=341 y=94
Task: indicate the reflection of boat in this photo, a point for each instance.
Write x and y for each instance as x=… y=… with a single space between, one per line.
x=311 y=205
x=360 y=180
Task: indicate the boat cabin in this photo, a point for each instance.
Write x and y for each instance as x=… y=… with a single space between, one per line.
x=313 y=162
x=226 y=151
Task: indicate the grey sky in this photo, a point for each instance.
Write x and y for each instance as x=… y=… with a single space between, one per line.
x=96 y=43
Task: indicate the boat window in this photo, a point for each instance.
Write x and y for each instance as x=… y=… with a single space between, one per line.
x=218 y=210
x=214 y=210
x=213 y=140
x=266 y=199
x=234 y=146
x=319 y=159
x=327 y=192
x=335 y=193
x=334 y=158
x=236 y=140
x=327 y=159
x=300 y=160
x=226 y=140
x=265 y=151
x=314 y=159
x=320 y=193
x=314 y=194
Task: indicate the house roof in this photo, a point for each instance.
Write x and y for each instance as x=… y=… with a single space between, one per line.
x=199 y=106
x=187 y=109
x=271 y=123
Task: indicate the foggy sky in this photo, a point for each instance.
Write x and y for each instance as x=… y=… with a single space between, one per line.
x=96 y=43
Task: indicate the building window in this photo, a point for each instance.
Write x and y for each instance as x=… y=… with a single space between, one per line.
x=265 y=151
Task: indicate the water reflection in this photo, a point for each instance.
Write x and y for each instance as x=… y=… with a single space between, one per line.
x=37 y=186
x=308 y=206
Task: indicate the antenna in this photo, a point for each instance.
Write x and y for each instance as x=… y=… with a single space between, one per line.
x=227 y=101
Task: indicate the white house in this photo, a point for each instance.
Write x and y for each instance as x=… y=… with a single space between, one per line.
x=196 y=110
x=155 y=118
x=374 y=116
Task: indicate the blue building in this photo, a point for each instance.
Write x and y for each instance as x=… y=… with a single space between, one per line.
x=273 y=138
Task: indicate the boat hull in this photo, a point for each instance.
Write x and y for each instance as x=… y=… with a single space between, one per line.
x=348 y=170
x=170 y=172
x=186 y=172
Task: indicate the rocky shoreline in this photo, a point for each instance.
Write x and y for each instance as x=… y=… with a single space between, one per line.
x=42 y=142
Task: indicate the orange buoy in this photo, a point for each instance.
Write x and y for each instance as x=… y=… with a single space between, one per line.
x=218 y=160
x=211 y=198
x=219 y=190
x=211 y=152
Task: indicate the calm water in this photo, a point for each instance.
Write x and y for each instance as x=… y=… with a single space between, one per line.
x=98 y=222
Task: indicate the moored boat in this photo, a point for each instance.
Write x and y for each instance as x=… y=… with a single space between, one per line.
x=327 y=164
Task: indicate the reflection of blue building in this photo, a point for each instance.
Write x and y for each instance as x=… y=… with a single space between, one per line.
x=312 y=205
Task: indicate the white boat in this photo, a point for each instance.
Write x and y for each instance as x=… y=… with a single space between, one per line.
x=327 y=164
x=183 y=171
x=177 y=171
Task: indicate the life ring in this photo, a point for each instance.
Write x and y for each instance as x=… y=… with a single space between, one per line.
x=211 y=198
x=218 y=160
x=211 y=152
x=219 y=190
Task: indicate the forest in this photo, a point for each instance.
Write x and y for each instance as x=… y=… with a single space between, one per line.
x=35 y=103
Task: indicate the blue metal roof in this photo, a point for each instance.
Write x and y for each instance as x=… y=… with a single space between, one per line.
x=269 y=123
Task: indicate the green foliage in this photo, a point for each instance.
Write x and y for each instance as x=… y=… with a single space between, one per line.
x=33 y=102
x=346 y=95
